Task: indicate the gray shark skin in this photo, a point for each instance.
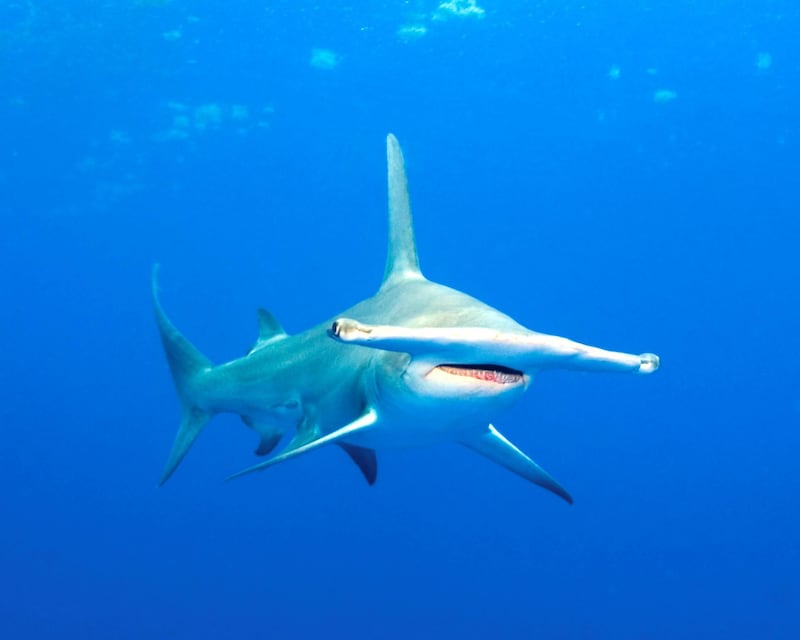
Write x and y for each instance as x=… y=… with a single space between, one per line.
x=418 y=363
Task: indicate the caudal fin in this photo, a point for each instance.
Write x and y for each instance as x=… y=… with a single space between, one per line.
x=186 y=363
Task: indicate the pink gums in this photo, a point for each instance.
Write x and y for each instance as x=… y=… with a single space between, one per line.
x=487 y=375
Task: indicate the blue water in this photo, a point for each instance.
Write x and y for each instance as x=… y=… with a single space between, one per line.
x=625 y=174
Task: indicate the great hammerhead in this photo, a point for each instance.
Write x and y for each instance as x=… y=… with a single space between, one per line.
x=417 y=363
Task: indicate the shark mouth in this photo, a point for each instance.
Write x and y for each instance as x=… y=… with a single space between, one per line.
x=495 y=373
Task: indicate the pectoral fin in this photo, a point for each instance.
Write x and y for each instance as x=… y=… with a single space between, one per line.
x=494 y=446
x=364 y=422
x=365 y=459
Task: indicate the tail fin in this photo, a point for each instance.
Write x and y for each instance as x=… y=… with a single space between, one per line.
x=185 y=363
x=401 y=260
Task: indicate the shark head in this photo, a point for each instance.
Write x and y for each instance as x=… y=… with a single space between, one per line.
x=428 y=392
x=472 y=371
x=446 y=368
x=450 y=355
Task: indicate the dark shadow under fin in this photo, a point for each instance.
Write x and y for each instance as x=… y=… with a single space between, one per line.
x=267 y=444
x=494 y=446
x=365 y=459
x=269 y=437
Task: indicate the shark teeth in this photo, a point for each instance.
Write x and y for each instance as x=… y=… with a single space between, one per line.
x=486 y=372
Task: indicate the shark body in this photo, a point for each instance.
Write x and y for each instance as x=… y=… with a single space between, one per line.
x=418 y=363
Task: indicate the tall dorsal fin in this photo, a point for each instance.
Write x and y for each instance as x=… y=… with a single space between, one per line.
x=401 y=260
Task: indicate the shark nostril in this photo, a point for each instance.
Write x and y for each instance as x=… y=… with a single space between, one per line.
x=347 y=330
x=649 y=363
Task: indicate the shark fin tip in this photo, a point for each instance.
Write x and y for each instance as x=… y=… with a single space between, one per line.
x=165 y=476
x=494 y=446
x=365 y=459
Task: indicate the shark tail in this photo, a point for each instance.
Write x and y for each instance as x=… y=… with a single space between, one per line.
x=187 y=364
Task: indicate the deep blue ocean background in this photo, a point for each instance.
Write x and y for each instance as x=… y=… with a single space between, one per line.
x=626 y=174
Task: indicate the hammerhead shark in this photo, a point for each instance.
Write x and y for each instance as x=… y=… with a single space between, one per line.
x=417 y=363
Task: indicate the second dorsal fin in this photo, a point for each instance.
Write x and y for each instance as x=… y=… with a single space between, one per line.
x=269 y=330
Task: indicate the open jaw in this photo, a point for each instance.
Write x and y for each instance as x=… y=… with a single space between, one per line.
x=493 y=373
